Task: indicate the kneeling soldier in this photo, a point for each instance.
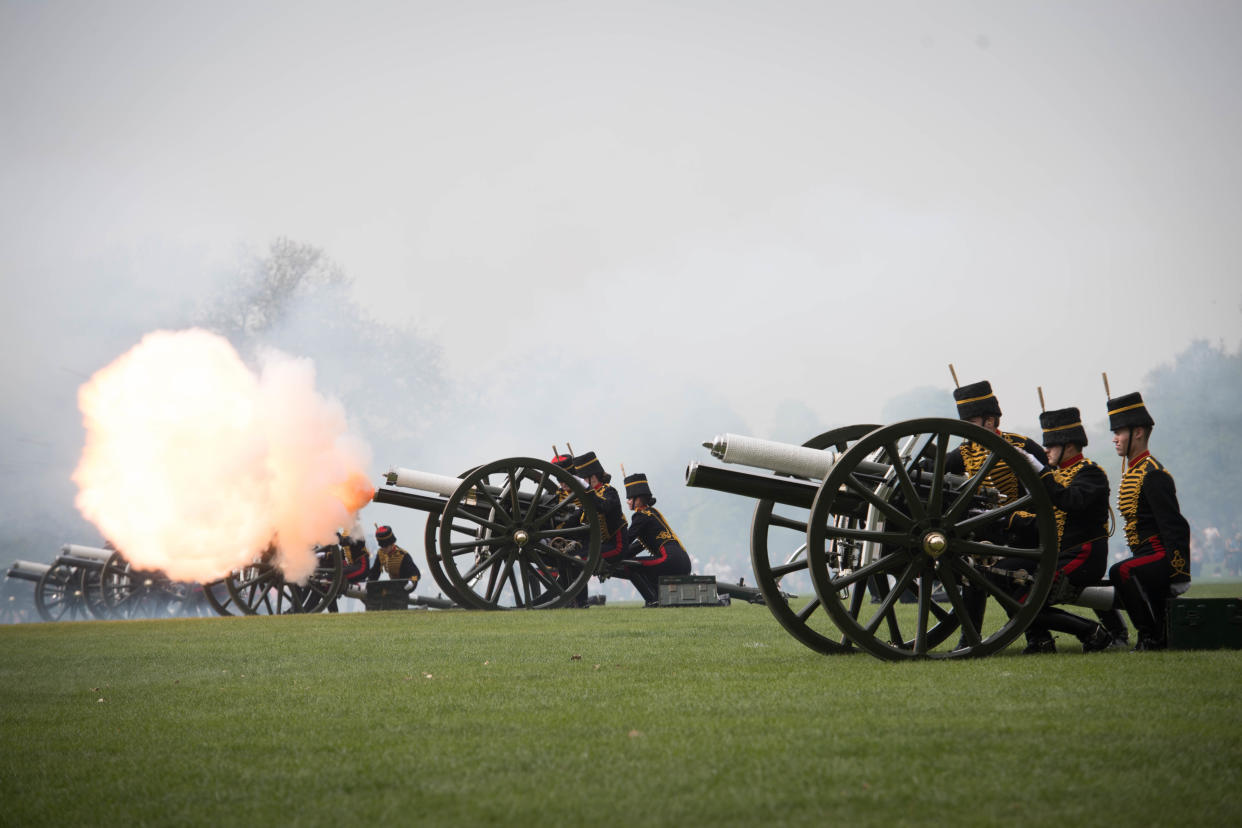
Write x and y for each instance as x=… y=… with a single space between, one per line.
x=1158 y=535
x=978 y=405
x=607 y=502
x=1078 y=489
x=393 y=559
x=650 y=532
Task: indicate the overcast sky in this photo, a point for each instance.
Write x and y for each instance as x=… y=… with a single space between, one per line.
x=824 y=202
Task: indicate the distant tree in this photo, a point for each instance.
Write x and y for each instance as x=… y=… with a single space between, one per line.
x=295 y=298
x=267 y=289
x=1197 y=404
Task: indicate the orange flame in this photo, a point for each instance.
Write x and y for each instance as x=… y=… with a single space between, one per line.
x=193 y=464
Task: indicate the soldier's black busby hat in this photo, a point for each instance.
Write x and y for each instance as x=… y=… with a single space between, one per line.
x=1127 y=411
x=976 y=400
x=564 y=461
x=384 y=536
x=588 y=464
x=636 y=486
x=1064 y=425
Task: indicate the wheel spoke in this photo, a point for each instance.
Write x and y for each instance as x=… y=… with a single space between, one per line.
x=920 y=633
x=457 y=546
x=949 y=580
x=891 y=512
x=565 y=504
x=806 y=612
x=913 y=502
x=974 y=523
x=967 y=494
x=482 y=490
x=484 y=562
x=882 y=566
x=553 y=552
x=935 y=496
x=781 y=571
x=561 y=533
x=996 y=550
x=537 y=498
x=783 y=522
x=537 y=572
x=887 y=538
x=980 y=581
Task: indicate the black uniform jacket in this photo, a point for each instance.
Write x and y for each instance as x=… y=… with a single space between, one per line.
x=1079 y=492
x=1148 y=501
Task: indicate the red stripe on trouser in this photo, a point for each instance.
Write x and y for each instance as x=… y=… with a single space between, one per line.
x=1125 y=566
x=653 y=561
x=357 y=572
x=1079 y=559
x=618 y=545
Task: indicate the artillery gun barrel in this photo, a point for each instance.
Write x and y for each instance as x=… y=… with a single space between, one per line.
x=356 y=591
x=787 y=491
x=817 y=464
x=445 y=486
x=28 y=570
x=783 y=458
x=740 y=591
x=87 y=553
x=410 y=500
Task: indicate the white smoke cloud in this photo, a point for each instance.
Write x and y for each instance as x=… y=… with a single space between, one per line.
x=193 y=463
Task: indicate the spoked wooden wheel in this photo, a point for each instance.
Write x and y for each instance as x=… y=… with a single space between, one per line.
x=261 y=588
x=497 y=532
x=90 y=581
x=216 y=595
x=58 y=594
x=924 y=528
x=134 y=593
x=431 y=551
x=778 y=557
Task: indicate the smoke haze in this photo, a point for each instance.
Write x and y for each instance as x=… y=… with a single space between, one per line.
x=193 y=464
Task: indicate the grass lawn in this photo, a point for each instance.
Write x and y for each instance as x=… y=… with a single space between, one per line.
x=614 y=715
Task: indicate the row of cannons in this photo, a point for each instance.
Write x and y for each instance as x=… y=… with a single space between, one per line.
x=86 y=582
x=869 y=515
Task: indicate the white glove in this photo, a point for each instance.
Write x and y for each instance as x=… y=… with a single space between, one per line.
x=1036 y=464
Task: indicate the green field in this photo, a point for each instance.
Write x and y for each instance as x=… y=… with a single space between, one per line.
x=614 y=715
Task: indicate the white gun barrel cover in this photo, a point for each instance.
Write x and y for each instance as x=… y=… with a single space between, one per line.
x=441 y=484
x=90 y=553
x=784 y=458
x=29 y=567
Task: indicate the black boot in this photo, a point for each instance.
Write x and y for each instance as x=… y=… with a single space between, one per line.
x=1116 y=626
x=1038 y=642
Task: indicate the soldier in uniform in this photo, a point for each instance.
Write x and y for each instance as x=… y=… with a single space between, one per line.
x=649 y=532
x=1156 y=532
x=978 y=405
x=354 y=562
x=563 y=574
x=611 y=519
x=1078 y=489
x=393 y=559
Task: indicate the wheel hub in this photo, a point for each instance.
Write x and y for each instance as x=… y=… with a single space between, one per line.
x=934 y=543
x=520 y=537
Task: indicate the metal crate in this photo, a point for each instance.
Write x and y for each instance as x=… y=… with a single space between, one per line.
x=688 y=591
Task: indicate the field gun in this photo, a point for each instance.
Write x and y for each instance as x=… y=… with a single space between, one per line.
x=518 y=532
x=870 y=514
x=96 y=582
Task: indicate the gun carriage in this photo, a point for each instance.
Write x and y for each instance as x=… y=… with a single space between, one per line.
x=92 y=582
x=869 y=514
x=515 y=533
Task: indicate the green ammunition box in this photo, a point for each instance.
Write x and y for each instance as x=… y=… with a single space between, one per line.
x=688 y=591
x=1205 y=623
x=386 y=595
